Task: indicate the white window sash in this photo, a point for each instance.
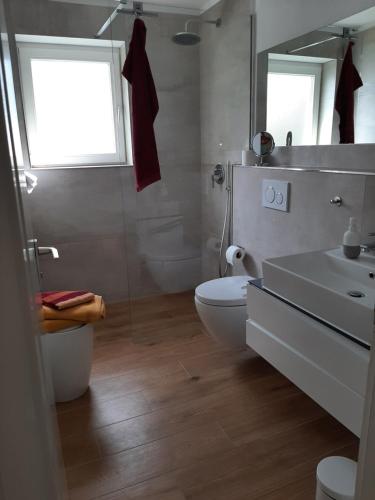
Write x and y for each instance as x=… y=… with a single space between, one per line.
x=29 y=51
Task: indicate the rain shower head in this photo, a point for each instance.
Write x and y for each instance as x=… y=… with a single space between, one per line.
x=188 y=37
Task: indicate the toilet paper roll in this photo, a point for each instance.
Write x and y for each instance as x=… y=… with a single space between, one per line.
x=234 y=254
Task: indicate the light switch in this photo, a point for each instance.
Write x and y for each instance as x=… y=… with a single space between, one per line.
x=275 y=194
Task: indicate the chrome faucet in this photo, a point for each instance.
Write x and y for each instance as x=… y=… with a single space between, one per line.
x=368 y=247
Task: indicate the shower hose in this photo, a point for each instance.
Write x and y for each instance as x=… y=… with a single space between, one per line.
x=225 y=224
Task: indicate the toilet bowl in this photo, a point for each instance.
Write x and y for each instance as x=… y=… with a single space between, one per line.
x=221 y=305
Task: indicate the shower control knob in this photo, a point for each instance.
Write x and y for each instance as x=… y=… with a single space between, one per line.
x=337 y=200
x=219 y=175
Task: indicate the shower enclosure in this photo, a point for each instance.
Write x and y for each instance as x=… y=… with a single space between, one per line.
x=118 y=243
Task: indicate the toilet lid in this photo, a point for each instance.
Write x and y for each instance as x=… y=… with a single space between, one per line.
x=224 y=291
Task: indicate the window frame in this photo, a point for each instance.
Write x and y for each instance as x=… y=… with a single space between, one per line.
x=28 y=50
x=280 y=66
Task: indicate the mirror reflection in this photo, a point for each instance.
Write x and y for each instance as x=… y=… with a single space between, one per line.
x=321 y=86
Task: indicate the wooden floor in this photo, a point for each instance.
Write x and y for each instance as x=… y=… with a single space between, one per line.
x=171 y=415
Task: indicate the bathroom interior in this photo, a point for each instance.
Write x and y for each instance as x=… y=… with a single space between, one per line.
x=233 y=354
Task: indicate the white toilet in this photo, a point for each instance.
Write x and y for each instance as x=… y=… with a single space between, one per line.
x=221 y=305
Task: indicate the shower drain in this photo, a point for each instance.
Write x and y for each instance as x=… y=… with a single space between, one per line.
x=356 y=294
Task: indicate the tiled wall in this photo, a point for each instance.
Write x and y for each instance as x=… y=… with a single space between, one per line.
x=225 y=101
x=312 y=223
x=111 y=239
x=80 y=212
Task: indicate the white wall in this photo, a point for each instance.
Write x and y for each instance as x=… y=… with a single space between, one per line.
x=267 y=233
x=281 y=20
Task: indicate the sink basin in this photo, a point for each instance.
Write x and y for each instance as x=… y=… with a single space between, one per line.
x=326 y=284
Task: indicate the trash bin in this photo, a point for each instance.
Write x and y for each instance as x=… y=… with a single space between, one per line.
x=336 y=478
x=69 y=357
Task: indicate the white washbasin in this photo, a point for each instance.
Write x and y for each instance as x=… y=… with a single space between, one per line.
x=320 y=282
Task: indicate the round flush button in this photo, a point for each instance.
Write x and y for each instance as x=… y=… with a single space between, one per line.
x=279 y=198
x=270 y=194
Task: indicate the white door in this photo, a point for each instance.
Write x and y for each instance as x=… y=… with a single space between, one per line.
x=30 y=465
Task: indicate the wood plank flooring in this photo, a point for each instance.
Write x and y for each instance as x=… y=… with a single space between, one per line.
x=172 y=415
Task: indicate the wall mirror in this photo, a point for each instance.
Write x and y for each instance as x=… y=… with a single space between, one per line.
x=297 y=83
x=262 y=145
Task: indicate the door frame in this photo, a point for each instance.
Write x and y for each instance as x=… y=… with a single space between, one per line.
x=365 y=487
x=30 y=465
x=29 y=461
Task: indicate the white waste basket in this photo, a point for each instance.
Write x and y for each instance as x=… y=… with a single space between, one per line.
x=69 y=358
x=336 y=478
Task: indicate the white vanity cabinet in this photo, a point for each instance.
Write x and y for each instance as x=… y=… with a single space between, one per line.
x=329 y=367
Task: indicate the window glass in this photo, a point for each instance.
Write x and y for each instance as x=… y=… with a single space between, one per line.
x=291 y=107
x=73 y=109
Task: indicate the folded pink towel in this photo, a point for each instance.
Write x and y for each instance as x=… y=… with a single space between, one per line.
x=66 y=299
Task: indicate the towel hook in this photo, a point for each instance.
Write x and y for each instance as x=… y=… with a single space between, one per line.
x=138 y=9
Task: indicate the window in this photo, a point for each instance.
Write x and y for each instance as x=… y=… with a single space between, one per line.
x=293 y=94
x=73 y=104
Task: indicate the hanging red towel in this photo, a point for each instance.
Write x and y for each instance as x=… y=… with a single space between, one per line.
x=145 y=107
x=349 y=82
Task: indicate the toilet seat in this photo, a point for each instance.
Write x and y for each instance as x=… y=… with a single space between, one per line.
x=224 y=292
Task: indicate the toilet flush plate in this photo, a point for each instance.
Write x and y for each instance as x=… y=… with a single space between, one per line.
x=275 y=195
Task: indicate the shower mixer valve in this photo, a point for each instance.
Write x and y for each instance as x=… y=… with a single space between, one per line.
x=219 y=175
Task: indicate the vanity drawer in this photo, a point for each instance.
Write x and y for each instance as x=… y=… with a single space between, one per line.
x=327 y=366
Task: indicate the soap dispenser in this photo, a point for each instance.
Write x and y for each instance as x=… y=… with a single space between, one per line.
x=351 y=244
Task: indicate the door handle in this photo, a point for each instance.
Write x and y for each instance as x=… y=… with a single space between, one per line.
x=48 y=250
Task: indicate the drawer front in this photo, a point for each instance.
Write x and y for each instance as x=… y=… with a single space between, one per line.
x=335 y=397
x=340 y=357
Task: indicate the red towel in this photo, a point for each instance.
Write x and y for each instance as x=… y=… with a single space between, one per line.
x=349 y=82
x=145 y=107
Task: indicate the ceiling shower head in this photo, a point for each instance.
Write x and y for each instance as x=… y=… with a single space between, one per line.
x=189 y=38
x=186 y=38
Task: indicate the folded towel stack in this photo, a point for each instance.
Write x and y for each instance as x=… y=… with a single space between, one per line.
x=59 y=316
